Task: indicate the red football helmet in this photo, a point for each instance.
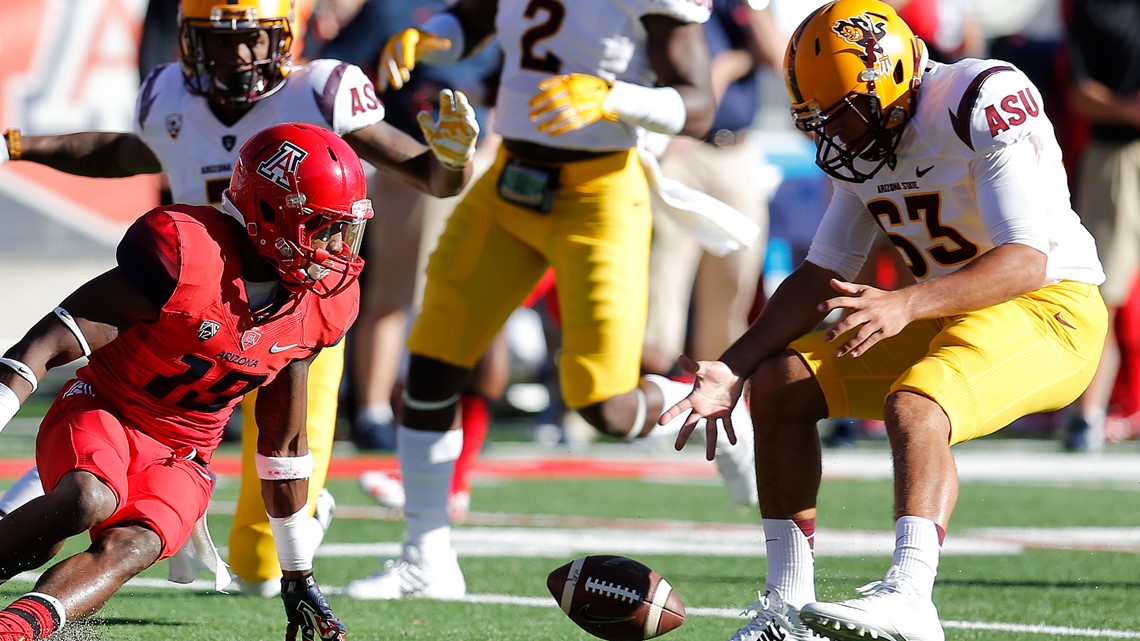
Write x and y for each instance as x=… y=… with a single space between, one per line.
x=302 y=194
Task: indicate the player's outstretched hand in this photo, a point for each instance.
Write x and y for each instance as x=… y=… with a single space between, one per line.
x=308 y=612
x=716 y=388
x=569 y=102
x=400 y=53
x=452 y=138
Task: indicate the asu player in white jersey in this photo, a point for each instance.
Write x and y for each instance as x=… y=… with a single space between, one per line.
x=236 y=78
x=567 y=190
x=959 y=166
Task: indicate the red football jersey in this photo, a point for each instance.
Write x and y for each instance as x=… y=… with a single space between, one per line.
x=179 y=378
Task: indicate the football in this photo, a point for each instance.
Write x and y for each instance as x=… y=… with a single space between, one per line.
x=616 y=598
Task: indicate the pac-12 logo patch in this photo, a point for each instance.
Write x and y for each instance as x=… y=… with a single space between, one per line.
x=207 y=330
x=173 y=124
x=282 y=164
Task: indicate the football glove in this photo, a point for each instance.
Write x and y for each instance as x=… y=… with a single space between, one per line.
x=451 y=138
x=308 y=612
x=569 y=102
x=399 y=55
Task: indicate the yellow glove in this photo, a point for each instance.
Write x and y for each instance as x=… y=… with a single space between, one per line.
x=400 y=53
x=451 y=138
x=569 y=102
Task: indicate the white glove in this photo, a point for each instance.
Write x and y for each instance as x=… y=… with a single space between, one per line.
x=4 y=152
x=451 y=138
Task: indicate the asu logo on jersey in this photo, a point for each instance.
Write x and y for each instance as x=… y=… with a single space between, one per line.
x=865 y=32
x=283 y=164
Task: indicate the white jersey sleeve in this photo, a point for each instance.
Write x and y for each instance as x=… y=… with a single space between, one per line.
x=689 y=11
x=348 y=93
x=845 y=235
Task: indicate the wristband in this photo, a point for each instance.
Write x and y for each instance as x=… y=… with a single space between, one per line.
x=283 y=468
x=67 y=319
x=23 y=371
x=660 y=109
x=12 y=135
x=9 y=404
x=289 y=537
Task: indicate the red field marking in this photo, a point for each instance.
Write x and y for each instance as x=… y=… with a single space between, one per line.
x=553 y=468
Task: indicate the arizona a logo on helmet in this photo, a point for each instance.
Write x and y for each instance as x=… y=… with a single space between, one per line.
x=282 y=164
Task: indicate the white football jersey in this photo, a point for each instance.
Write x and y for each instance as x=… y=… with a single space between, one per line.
x=603 y=38
x=198 y=152
x=978 y=166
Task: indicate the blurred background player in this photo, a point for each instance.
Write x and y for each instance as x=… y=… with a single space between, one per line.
x=567 y=190
x=235 y=78
x=407 y=224
x=959 y=165
x=124 y=450
x=1104 y=62
x=728 y=165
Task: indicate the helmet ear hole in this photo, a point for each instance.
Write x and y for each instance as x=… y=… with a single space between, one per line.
x=268 y=214
x=899 y=73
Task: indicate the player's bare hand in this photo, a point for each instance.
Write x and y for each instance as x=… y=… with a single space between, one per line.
x=716 y=389
x=569 y=102
x=308 y=612
x=400 y=53
x=872 y=315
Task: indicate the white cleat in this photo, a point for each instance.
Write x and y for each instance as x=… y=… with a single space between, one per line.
x=773 y=620
x=412 y=575
x=386 y=490
x=885 y=612
x=737 y=463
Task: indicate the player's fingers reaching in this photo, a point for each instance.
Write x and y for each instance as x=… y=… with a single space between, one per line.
x=398 y=58
x=452 y=138
x=569 y=102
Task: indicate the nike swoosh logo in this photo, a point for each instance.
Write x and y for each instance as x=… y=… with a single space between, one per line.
x=277 y=349
x=920 y=172
x=1063 y=321
x=585 y=615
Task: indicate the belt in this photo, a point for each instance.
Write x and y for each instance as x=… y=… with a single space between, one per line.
x=726 y=137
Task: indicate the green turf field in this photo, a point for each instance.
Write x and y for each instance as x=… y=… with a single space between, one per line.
x=1051 y=553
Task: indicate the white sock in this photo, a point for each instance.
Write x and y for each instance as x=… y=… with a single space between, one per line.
x=375 y=413
x=791 y=562
x=427 y=461
x=26 y=488
x=916 y=554
x=673 y=393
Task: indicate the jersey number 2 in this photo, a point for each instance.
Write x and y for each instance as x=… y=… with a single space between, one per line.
x=555 y=14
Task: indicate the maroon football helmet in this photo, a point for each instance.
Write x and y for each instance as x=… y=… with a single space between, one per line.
x=302 y=194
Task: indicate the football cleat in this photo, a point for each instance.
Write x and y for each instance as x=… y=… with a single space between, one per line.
x=885 y=611
x=737 y=463
x=773 y=620
x=387 y=491
x=413 y=575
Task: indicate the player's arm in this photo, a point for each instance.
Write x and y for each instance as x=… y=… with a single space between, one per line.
x=92 y=316
x=419 y=165
x=679 y=55
x=284 y=465
x=443 y=39
x=93 y=153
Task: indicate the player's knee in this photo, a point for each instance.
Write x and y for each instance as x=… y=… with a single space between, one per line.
x=785 y=385
x=612 y=417
x=83 y=500
x=129 y=549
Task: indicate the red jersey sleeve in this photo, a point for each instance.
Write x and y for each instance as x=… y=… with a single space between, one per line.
x=150 y=256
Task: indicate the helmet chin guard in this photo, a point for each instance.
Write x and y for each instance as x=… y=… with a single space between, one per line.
x=301 y=193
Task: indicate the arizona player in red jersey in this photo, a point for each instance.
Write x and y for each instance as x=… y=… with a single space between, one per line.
x=205 y=305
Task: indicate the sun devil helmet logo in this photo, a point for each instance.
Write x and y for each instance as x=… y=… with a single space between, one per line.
x=864 y=32
x=282 y=164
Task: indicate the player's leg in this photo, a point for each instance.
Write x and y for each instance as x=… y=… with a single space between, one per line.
x=487 y=386
x=478 y=274
x=972 y=382
x=253 y=555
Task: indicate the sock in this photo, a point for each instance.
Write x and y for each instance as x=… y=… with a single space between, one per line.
x=916 y=554
x=427 y=461
x=26 y=488
x=34 y=614
x=375 y=413
x=807 y=526
x=673 y=392
x=476 y=419
x=791 y=561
